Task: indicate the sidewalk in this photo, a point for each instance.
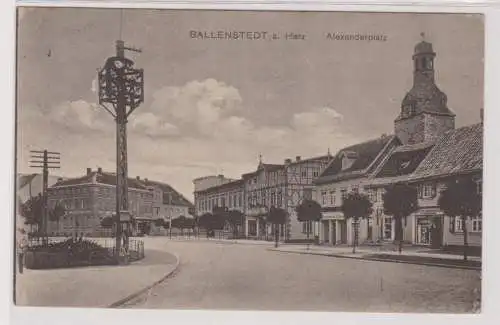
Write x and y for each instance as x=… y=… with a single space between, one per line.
x=99 y=286
x=220 y=241
x=412 y=255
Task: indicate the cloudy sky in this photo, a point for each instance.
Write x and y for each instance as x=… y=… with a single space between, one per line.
x=213 y=106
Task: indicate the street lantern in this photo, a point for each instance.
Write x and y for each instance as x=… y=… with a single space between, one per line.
x=121 y=91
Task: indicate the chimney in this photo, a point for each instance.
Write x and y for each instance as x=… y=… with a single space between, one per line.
x=297 y=158
x=138 y=178
x=481 y=113
x=146 y=180
x=89 y=171
x=99 y=170
x=288 y=161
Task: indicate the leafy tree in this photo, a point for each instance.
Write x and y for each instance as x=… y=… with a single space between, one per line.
x=32 y=211
x=56 y=213
x=356 y=206
x=235 y=219
x=462 y=198
x=276 y=217
x=180 y=223
x=308 y=211
x=220 y=218
x=204 y=221
x=159 y=222
x=400 y=200
x=107 y=222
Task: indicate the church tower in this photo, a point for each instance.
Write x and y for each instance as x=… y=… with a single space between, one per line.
x=424 y=112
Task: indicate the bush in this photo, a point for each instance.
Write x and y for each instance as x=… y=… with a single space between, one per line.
x=67 y=253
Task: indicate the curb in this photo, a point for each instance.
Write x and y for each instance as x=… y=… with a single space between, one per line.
x=382 y=260
x=144 y=290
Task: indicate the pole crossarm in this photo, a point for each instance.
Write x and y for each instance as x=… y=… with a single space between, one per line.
x=41 y=159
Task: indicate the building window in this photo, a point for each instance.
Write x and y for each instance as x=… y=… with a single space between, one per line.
x=304 y=173
x=372 y=195
x=315 y=173
x=343 y=193
x=427 y=190
x=479 y=187
x=279 y=199
x=332 y=197
x=477 y=224
x=355 y=188
x=323 y=197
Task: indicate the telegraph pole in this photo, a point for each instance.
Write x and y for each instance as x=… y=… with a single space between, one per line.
x=121 y=86
x=45 y=160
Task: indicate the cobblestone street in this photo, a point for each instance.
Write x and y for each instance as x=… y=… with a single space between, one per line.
x=224 y=276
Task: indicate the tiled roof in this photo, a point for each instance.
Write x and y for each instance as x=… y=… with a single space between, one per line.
x=170 y=195
x=459 y=150
x=365 y=153
x=403 y=162
x=268 y=167
x=227 y=185
x=320 y=158
x=102 y=178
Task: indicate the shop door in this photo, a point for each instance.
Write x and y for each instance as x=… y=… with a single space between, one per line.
x=343 y=232
x=423 y=231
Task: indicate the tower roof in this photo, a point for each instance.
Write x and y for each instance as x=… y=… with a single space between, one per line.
x=424 y=96
x=427 y=98
x=424 y=48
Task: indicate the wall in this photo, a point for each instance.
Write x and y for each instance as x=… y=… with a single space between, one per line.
x=457 y=239
x=410 y=130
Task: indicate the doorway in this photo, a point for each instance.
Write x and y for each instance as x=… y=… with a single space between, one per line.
x=423 y=231
x=326 y=231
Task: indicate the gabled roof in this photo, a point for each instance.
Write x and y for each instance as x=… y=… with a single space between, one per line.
x=365 y=153
x=312 y=159
x=261 y=166
x=101 y=178
x=228 y=185
x=457 y=151
x=170 y=195
x=403 y=161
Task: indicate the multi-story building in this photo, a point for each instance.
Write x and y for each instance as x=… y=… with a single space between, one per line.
x=279 y=185
x=168 y=204
x=425 y=150
x=226 y=194
x=91 y=198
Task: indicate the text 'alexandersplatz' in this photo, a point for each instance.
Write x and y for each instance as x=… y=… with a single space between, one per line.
x=265 y=35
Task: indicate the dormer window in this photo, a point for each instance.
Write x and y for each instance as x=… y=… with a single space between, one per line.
x=348 y=158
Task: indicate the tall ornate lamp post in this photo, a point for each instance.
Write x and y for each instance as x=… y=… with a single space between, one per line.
x=121 y=86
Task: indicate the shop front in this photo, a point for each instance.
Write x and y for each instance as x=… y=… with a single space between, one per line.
x=429 y=230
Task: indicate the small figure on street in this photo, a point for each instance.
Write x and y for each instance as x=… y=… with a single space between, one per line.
x=22 y=247
x=276 y=236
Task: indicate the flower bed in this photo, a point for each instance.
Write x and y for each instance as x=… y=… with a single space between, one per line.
x=68 y=253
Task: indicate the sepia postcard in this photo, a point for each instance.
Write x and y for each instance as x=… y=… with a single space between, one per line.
x=249 y=160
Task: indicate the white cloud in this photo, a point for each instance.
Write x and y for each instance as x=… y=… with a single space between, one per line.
x=186 y=132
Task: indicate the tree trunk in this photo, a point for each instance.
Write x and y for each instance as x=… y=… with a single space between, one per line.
x=355 y=231
x=399 y=233
x=466 y=239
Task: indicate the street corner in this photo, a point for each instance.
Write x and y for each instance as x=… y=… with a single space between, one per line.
x=172 y=270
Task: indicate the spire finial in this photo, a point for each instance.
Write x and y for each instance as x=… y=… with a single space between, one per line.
x=422 y=34
x=329 y=153
x=260 y=158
